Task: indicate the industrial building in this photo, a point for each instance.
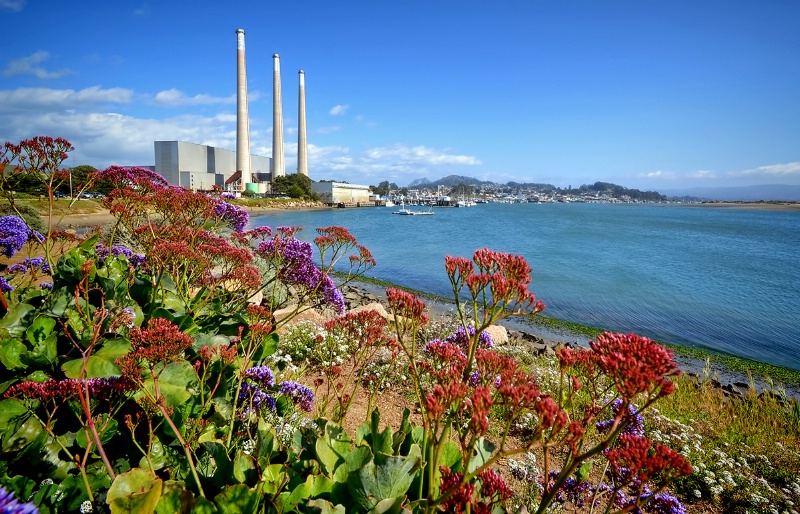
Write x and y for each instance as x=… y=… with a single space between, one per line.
x=200 y=167
x=342 y=194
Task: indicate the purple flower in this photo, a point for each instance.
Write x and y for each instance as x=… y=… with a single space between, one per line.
x=300 y=394
x=14 y=233
x=10 y=505
x=234 y=215
x=462 y=337
x=38 y=262
x=635 y=422
x=5 y=286
x=254 y=399
x=294 y=264
x=17 y=268
x=46 y=285
x=261 y=375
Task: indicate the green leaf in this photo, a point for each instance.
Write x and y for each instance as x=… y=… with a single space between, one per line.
x=451 y=456
x=583 y=472
x=101 y=364
x=24 y=435
x=245 y=469
x=17 y=319
x=12 y=414
x=220 y=472
x=314 y=486
x=370 y=434
x=11 y=352
x=41 y=328
x=388 y=506
x=332 y=447
x=45 y=352
x=107 y=430
x=386 y=477
x=481 y=455
x=175 y=498
x=324 y=507
x=237 y=499
x=178 y=383
x=135 y=492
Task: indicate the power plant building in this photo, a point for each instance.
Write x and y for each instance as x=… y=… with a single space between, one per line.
x=200 y=167
x=342 y=193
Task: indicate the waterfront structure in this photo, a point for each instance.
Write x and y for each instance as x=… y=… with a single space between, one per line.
x=278 y=166
x=242 y=117
x=200 y=167
x=302 y=145
x=342 y=193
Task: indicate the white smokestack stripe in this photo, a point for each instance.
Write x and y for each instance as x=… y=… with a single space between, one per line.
x=242 y=117
x=302 y=145
x=278 y=166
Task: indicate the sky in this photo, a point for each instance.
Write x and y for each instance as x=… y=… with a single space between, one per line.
x=649 y=94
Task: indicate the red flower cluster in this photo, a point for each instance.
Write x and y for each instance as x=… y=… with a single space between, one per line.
x=500 y=278
x=407 y=305
x=161 y=342
x=636 y=364
x=63 y=390
x=493 y=492
x=635 y=458
x=366 y=327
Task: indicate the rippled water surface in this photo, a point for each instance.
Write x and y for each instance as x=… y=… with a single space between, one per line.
x=721 y=279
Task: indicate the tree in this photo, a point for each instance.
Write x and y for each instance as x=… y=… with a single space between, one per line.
x=294 y=185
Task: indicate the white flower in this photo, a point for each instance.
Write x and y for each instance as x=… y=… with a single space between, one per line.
x=86 y=506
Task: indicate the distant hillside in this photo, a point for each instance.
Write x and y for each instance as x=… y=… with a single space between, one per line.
x=449 y=181
x=775 y=192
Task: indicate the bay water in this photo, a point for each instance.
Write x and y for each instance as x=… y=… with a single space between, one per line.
x=725 y=280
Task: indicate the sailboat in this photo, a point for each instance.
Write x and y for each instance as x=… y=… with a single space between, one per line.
x=406 y=212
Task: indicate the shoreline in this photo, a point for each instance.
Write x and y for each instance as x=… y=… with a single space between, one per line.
x=688 y=363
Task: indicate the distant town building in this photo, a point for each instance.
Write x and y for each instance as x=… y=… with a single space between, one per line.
x=200 y=167
x=341 y=193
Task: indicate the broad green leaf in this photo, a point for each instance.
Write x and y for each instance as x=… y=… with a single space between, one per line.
x=451 y=456
x=17 y=318
x=12 y=413
x=386 y=477
x=483 y=452
x=326 y=507
x=134 y=492
x=107 y=428
x=44 y=353
x=41 y=328
x=178 y=383
x=332 y=447
x=23 y=436
x=314 y=486
x=245 y=469
x=370 y=434
x=237 y=499
x=11 y=352
x=100 y=364
x=388 y=506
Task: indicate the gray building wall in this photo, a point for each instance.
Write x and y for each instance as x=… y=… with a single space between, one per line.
x=199 y=166
x=339 y=192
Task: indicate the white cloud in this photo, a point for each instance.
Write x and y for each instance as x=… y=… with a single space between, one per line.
x=12 y=5
x=338 y=110
x=30 y=66
x=703 y=175
x=177 y=98
x=789 y=169
x=418 y=155
x=328 y=130
x=663 y=175
x=38 y=99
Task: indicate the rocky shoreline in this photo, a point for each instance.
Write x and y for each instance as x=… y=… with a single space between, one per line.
x=516 y=333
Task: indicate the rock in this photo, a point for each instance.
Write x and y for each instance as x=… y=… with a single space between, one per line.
x=375 y=306
x=498 y=333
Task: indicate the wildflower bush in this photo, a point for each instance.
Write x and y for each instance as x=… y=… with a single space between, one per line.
x=137 y=379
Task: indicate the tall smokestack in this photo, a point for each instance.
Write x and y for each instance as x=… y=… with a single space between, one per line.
x=242 y=118
x=278 y=166
x=302 y=145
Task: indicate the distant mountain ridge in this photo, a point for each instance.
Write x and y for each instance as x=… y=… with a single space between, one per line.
x=766 y=192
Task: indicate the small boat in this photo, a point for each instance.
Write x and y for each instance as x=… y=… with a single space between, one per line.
x=389 y=203
x=406 y=212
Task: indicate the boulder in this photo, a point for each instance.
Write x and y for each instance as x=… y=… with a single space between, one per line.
x=498 y=333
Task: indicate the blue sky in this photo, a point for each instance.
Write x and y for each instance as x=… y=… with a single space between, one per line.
x=645 y=94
